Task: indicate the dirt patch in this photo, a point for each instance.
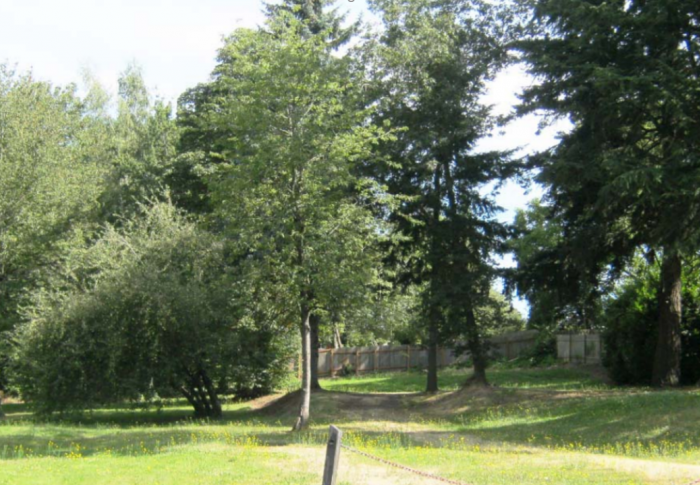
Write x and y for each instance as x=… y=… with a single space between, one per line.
x=353 y=469
x=653 y=470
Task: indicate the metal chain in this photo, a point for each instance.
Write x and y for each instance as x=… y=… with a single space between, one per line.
x=424 y=474
x=403 y=467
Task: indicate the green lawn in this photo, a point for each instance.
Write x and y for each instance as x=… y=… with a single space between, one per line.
x=560 y=426
x=452 y=379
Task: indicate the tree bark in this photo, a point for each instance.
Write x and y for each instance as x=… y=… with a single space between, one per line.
x=476 y=349
x=303 y=419
x=315 y=322
x=214 y=401
x=337 y=339
x=667 y=359
x=191 y=397
x=432 y=383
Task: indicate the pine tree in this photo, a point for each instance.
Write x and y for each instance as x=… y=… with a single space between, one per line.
x=627 y=75
x=430 y=67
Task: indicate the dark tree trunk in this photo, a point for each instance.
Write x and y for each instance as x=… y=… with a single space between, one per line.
x=315 y=322
x=667 y=359
x=303 y=419
x=432 y=383
x=191 y=397
x=214 y=402
x=202 y=395
x=476 y=349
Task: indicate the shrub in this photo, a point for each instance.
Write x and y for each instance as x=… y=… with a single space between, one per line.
x=630 y=333
x=151 y=308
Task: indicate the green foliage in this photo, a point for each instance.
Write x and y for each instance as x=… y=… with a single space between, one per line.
x=316 y=19
x=496 y=316
x=630 y=321
x=141 y=146
x=149 y=307
x=281 y=132
x=287 y=189
x=50 y=184
x=559 y=297
x=626 y=176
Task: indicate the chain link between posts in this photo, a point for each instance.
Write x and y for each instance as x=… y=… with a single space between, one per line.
x=403 y=467
x=421 y=473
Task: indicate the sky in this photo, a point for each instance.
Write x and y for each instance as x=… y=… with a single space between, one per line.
x=175 y=43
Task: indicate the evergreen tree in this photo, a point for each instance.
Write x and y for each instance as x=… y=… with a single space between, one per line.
x=429 y=68
x=317 y=19
x=627 y=75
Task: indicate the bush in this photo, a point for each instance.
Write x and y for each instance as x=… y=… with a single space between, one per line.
x=148 y=309
x=630 y=333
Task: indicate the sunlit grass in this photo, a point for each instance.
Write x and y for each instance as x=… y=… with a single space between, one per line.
x=453 y=379
x=539 y=426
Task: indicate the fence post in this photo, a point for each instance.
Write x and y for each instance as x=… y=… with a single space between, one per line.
x=357 y=362
x=376 y=359
x=570 y=337
x=584 y=348
x=330 y=470
x=408 y=357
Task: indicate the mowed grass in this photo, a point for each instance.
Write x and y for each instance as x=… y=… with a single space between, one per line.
x=559 y=426
x=557 y=378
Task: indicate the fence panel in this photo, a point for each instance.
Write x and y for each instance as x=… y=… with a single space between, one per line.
x=579 y=348
x=361 y=360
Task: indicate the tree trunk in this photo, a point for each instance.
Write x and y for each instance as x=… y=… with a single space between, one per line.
x=667 y=359
x=432 y=384
x=214 y=401
x=315 y=322
x=337 y=339
x=191 y=396
x=303 y=418
x=476 y=349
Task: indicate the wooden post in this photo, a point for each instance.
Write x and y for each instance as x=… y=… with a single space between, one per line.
x=332 y=364
x=408 y=357
x=330 y=470
x=357 y=362
x=584 y=348
x=376 y=359
x=570 y=347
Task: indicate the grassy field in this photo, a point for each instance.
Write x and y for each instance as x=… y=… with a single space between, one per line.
x=559 y=426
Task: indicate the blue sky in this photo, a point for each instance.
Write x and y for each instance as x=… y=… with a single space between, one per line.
x=175 y=42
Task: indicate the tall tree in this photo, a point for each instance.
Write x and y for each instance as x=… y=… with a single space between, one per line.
x=626 y=73
x=317 y=19
x=286 y=190
x=430 y=67
x=50 y=182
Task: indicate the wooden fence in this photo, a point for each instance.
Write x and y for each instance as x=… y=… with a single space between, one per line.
x=583 y=348
x=361 y=360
